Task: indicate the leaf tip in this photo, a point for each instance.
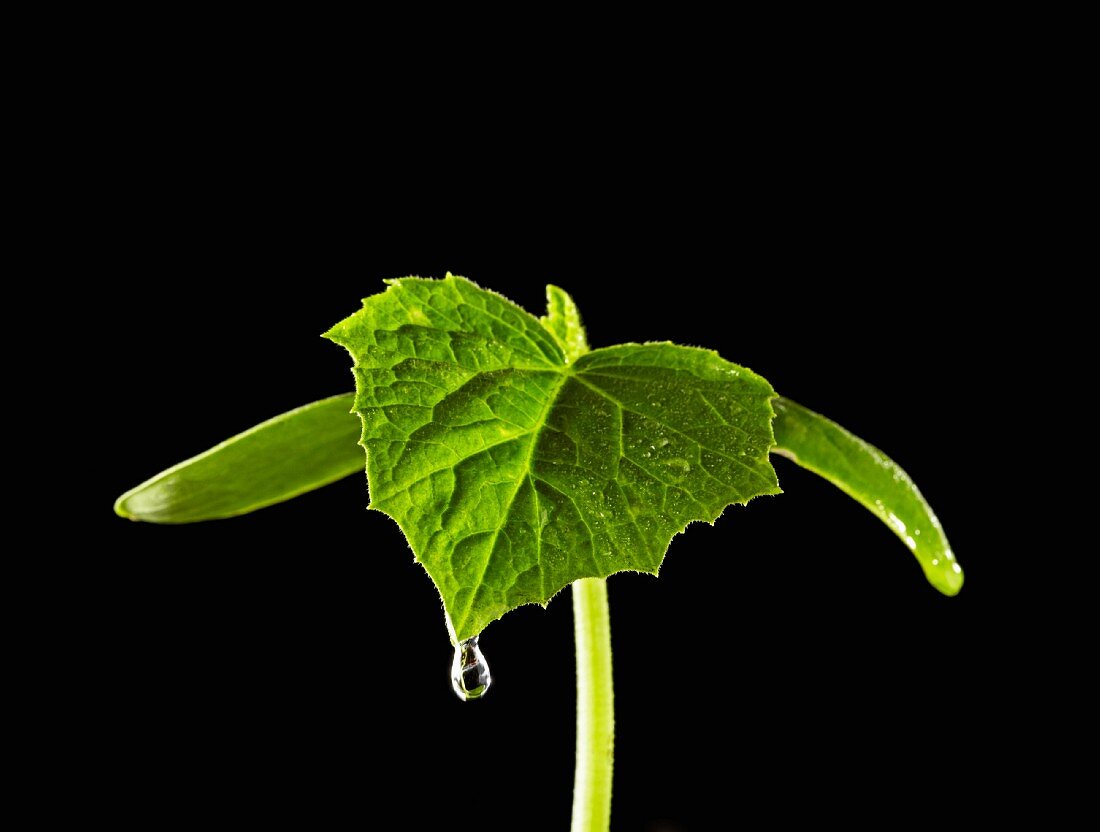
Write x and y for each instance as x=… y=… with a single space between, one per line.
x=949 y=579
x=122 y=509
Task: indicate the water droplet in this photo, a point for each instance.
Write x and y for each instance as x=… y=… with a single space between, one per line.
x=469 y=671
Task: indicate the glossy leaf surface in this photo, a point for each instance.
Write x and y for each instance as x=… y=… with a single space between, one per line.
x=872 y=479
x=514 y=472
x=281 y=458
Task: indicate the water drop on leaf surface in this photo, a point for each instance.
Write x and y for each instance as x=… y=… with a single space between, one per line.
x=469 y=671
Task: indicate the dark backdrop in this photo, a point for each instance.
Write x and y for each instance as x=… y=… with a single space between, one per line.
x=294 y=663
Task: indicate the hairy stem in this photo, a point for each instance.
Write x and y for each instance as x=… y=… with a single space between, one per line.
x=595 y=708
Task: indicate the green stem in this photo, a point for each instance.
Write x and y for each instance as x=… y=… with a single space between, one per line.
x=595 y=708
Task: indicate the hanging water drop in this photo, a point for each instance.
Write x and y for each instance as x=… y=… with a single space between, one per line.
x=469 y=671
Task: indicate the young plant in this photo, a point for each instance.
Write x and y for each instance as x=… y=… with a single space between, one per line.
x=517 y=462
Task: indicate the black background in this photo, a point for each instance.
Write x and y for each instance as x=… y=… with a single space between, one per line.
x=294 y=663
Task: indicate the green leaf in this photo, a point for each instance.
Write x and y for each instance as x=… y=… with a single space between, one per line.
x=298 y=451
x=563 y=319
x=866 y=474
x=513 y=472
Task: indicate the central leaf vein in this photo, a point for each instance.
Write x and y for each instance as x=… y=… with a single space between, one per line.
x=526 y=469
